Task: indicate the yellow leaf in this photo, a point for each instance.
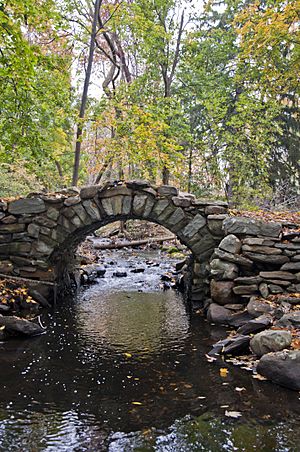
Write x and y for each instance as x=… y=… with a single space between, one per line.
x=136 y=403
x=128 y=355
x=223 y=372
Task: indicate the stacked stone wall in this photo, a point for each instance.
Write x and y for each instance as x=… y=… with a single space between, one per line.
x=254 y=259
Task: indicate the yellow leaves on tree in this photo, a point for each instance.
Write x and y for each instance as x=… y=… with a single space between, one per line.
x=270 y=41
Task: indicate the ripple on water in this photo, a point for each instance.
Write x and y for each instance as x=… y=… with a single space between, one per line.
x=130 y=362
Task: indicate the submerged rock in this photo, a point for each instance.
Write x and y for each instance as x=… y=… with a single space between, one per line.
x=270 y=341
x=16 y=325
x=231 y=345
x=282 y=368
x=119 y=274
x=137 y=270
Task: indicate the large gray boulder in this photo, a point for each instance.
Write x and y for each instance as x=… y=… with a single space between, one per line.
x=270 y=341
x=282 y=368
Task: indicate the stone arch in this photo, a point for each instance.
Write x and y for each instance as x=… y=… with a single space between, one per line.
x=43 y=230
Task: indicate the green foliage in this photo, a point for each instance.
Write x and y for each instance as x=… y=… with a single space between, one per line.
x=234 y=125
x=215 y=103
x=15 y=180
x=34 y=85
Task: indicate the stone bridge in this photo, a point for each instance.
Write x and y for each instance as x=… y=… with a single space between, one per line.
x=39 y=234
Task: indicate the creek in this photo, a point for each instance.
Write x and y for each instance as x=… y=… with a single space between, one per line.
x=123 y=368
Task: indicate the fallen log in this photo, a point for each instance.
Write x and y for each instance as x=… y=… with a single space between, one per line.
x=105 y=246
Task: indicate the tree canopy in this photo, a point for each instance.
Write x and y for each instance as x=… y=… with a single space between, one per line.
x=204 y=96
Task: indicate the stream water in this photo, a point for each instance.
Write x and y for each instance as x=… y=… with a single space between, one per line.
x=122 y=368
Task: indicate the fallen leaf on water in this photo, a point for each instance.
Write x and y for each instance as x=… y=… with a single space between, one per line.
x=128 y=355
x=129 y=376
x=234 y=414
x=224 y=406
x=223 y=372
x=240 y=389
x=136 y=403
x=259 y=377
x=246 y=368
x=210 y=359
x=201 y=397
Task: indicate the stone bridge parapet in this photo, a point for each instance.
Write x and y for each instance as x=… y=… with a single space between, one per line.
x=39 y=233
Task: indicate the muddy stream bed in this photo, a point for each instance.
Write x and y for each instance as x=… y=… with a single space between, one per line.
x=123 y=368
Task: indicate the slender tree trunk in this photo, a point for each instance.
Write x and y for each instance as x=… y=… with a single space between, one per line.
x=168 y=79
x=190 y=170
x=165 y=175
x=85 y=94
x=59 y=170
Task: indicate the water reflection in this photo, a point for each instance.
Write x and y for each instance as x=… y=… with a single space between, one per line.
x=132 y=322
x=118 y=362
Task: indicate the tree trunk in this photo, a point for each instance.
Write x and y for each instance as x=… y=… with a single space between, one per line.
x=85 y=94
